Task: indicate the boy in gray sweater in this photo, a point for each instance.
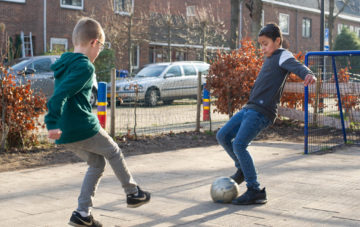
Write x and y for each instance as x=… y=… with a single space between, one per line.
x=260 y=111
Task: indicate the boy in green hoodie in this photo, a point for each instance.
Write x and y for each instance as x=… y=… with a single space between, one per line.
x=70 y=121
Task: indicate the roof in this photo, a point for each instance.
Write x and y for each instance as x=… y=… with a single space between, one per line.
x=352 y=9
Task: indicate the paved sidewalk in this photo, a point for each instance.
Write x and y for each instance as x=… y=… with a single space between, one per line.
x=312 y=190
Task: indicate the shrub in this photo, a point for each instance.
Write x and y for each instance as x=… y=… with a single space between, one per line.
x=104 y=63
x=19 y=111
x=348 y=40
x=232 y=75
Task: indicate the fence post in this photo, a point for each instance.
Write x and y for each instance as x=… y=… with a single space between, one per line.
x=101 y=109
x=198 y=106
x=206 y=104
x=112 y=102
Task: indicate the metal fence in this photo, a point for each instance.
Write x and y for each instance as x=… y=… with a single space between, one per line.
x=332 y=105
x=140 y=118
x=176 y=117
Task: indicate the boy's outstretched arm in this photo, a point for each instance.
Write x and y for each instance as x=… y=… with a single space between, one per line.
x=309 y=79
x=287 y=61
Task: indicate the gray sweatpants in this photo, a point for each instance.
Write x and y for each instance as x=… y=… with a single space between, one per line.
x=94 y=151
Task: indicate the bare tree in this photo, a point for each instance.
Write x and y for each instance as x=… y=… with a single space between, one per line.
x=166 y=26
x=206 y=28
x=123 y=31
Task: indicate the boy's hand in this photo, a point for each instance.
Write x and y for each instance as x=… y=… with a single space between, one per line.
x=54 y=134
x=309 y=79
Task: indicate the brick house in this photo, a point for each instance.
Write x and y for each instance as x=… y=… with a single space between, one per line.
x=50 y=23
x=300 y=21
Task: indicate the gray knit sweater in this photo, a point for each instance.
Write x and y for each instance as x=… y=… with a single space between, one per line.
x=269 y=85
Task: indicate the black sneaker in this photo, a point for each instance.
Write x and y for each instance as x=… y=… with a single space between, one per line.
x=79 y=221
x=136 y=200
x=251 y=196
x=238 y=177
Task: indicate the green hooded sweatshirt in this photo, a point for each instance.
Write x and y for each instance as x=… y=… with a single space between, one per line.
x=69 y=108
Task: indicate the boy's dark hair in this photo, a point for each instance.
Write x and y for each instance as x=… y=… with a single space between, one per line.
x=271 y=31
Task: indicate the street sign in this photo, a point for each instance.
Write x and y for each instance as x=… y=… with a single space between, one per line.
x=326 y=40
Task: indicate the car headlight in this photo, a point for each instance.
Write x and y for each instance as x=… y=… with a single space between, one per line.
x=117 y=89
x=131 y=87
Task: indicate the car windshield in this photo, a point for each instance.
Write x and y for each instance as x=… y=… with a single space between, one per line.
x=151 y=71
x=21 y=65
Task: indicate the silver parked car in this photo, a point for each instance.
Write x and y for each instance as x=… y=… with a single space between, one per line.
x=166 y=81
x=37 y=70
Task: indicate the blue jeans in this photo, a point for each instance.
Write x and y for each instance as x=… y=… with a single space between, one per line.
x=236 y=135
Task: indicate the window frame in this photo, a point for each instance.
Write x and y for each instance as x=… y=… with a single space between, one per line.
x=133 y=66
x=191 y=11
x=340 y=27
x=357 y=31
x=59 y=41
x=309 y=28
x=15 y=1
x=288 y=23
x=72 y=7
x=124 y=13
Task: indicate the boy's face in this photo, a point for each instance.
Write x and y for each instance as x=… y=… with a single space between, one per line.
x=268 y=46
x=96 y=46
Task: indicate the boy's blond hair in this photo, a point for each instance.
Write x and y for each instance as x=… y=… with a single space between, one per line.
x=86 y=30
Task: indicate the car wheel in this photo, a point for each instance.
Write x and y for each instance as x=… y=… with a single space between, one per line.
x=168 y=102
x=93 y=97
x=152 y=97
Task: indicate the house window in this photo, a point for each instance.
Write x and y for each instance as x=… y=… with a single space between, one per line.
x=352 y=29
x=357 y=30
x=306 y=28
x=18 y=1
x=262 y=18
x=340 y=26
x=190 y=11
x=152 y=54
x=58 y=45
x=284 y=22
x=180 y=56
x=135 y=57
x=123 y=7
x=72 y=4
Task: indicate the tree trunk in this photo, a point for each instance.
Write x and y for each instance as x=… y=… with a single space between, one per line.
x=331 y=18
x=256 y=18
x=331 y=21
x=169 y=40
x=130 y=44
x=204 y=35
x=234 y=25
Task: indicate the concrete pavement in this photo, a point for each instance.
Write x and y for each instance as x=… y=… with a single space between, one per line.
x=312 y=190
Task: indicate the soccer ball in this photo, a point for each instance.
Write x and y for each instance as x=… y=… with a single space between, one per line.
x=224 y=190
